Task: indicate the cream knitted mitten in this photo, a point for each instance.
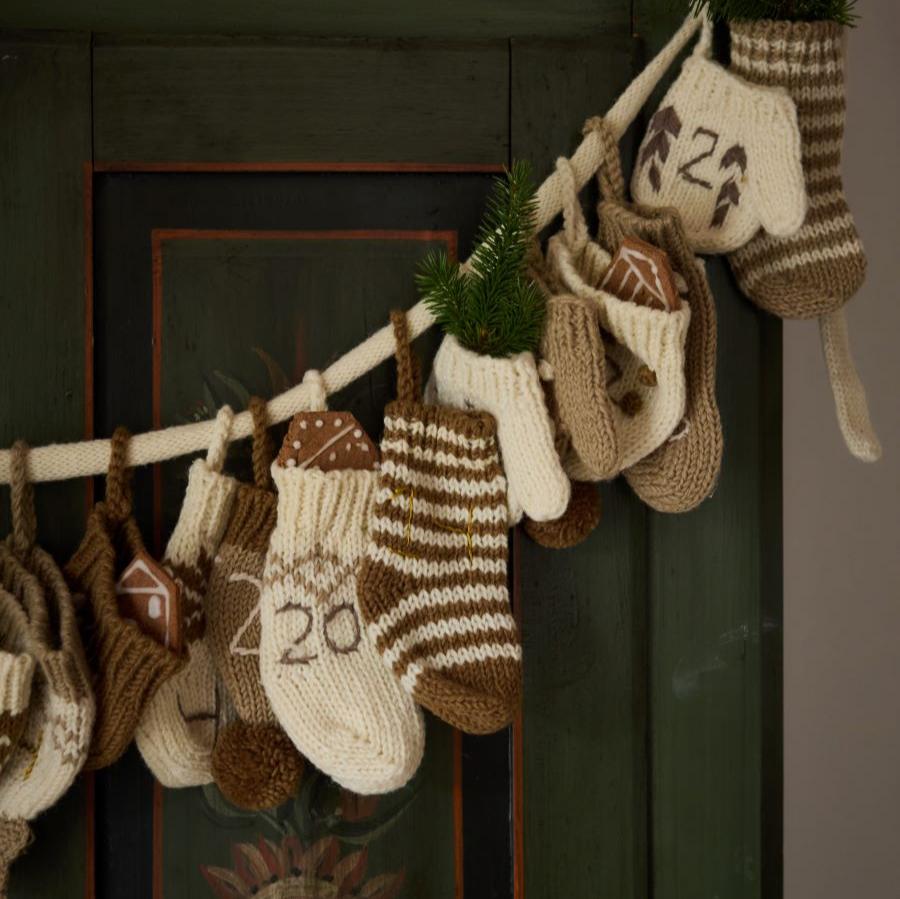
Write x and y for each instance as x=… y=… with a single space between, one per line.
x=818 y=268
x=433 y=583
x=510 y=390
x=178 y=729
x=254 y=764
x=725 y=153
x=335 y=698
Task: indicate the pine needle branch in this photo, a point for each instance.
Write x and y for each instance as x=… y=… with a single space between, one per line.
x=494 y=309
x=841 y=11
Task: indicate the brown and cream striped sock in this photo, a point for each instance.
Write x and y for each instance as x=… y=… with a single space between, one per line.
x=433 y=587
x=822 y=265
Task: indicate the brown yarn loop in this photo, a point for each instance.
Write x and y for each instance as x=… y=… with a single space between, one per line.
x=609 y=175
x=409 y=379
x=24 y=520
x=118 y=477
x=263 y=449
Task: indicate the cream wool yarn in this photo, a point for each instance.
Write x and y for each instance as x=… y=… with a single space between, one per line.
x=16 y=671
x=510 y=390
x=725 y=153
x=178 y=729
x=333 y=695
x=642 y=339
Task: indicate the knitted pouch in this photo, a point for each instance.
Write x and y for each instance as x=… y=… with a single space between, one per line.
x=725 y=153
x=432 y=587
x=644 y=345
x=254 y=764
x=178 y=729
x=335 y=698
x=129 y=666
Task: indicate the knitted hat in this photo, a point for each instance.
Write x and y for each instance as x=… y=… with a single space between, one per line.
x=55 y=741
x=644 y=408
x=254 y=764
x=178 y=729
x=129 y=666
x=433 y=585
x=725 y=153
x=816 y=270
x=334 y=697
x=510 y=390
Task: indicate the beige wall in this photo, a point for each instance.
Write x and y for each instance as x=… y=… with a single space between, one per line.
x=842 y=524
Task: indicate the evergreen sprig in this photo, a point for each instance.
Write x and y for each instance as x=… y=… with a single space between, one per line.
x=494 y=309
x=841 y=11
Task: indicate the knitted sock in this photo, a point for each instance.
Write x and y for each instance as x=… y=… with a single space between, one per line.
x=129 y=665
x=335 y=698
x=254 y=764
x=432 y=587
x=510 y=390
x=16 y=672
x=817 y=269
x=725 y=153
x=642 y=373
x=178 y=729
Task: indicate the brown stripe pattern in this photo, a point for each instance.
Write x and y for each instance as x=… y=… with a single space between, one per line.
x=819 y=268
x=433 y=584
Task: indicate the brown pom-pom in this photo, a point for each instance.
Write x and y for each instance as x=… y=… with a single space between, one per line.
x=575 y=524
x=256 y=766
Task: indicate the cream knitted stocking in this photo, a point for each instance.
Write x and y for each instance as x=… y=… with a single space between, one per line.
x=178 y=729
x=725 y=153
x=335 y=698
x=433 y=583
x=254 y=764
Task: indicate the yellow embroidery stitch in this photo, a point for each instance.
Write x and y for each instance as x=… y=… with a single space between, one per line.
x=34 y=757
x=467 y=531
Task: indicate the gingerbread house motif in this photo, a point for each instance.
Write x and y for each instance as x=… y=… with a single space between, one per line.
x=149 y=596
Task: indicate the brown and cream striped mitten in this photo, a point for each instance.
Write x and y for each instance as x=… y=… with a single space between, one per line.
x=129 y=665
x=254 y=763
x=433 y=583
x=178 y=729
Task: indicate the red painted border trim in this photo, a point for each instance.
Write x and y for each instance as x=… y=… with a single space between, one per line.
x=392 y=167
x=158 y=237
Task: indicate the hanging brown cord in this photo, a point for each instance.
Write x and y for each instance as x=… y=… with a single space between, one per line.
x=609 y=174
x=118 y=477
x=24 y=520
x=263 y=451
x=408 y=373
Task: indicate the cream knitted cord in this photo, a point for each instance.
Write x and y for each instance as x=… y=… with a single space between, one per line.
x=725 y=153
x=178 y=728
x=333 y=695
x=510 y=390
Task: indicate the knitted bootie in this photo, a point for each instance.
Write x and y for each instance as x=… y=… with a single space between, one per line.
x=433 y=584
x=254 y=764
x=16 y=672
x=178 y=729
x=643 y=370
x=54 y=745
x=818 y=268
x=334 y=697
x=129 y=666
x=725 y=153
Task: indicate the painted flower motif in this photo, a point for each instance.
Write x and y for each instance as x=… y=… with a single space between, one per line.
x=289 y=870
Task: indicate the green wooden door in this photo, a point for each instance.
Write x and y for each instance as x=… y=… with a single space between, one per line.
x=189 y=220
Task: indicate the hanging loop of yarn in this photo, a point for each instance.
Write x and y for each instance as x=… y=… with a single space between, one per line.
x=609 y=172
x=263 y=450
x=314 y=381
x=218 y=447
x=24 y=520
x=118 y=477
x=408 y=375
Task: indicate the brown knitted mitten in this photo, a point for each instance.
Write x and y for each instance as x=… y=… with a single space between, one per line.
x=128 y=665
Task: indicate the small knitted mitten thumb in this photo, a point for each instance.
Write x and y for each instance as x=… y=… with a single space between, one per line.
x=510 y=390
x=333 y=695
x=819 y=267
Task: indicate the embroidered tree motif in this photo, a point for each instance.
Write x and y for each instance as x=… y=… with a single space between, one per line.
x=664 y=127
x=729 y=194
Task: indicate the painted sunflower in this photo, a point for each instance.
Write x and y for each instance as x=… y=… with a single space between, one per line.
x=289 y=870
